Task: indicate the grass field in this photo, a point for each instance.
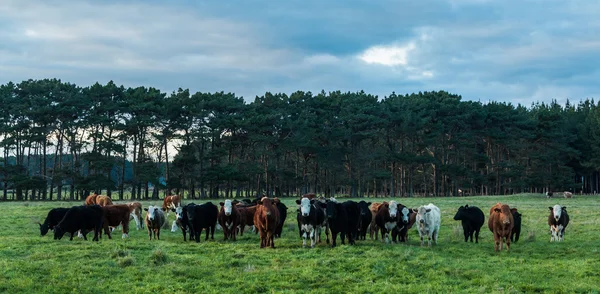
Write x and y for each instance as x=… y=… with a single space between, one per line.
x=33 y=264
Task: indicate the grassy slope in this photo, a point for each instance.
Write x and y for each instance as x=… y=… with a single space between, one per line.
x=34 y=264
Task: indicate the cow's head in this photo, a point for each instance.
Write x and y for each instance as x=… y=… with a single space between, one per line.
x=227 y=207
x=267 y=203
x=178 y=212
x=331 y=209
x=305 y=205
x=393 y=208
x=404 y=212
x=504 y=211
x=43 y=229
x=422 y=215
x=556 y=211
x=461 y=214
x=364 y=207
x=151 y=212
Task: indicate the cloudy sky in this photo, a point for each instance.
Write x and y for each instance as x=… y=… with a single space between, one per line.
x=516 y=51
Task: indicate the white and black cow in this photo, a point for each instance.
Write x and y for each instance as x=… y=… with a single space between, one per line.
x=311 y=218
x=400 y=232
x=387 y=219
x=558 y=221
x=181 y=219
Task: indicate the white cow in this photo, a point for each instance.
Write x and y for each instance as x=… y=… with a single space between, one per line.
x=429 y=219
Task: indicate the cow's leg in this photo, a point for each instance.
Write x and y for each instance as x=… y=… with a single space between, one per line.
x=327 y=232
x=262 y=238
x=271 y=238
x=476 y=236
x=496 y=242
x=313 y=237
x=507 y=243
x=343 y=237
x=150 y=234
x=466 y=234
x=333 y=237
x=158 y=234
x=71 y=239
x=174 y=226
x=437 y=232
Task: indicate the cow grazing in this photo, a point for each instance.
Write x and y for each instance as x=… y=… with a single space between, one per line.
x=203 y=216
x=472 y=219
x=373 y=229
x=311 y=218
x=516 y=231
x=406 y=219
x=91 y=199
x=155 y=220
x=266 y=220
x=181 y=219
x=171 y=202
x=501 y=223
x=55 y=215
x=365 y=219
x=136 y=214
x=282 y=216
x=567 y=194
x=558 y=221
x=115 y=215
x=80 y=218
x=387 y=219
x=229 y=218
x=429 y=220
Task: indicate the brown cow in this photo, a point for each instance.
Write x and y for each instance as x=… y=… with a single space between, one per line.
x=309 y=196
x=91 y=200
x=171 y=202
x=136 y=214
x=501 y=223
x=229 y=219
x=266 y=219
x=103 y=200
x=567 y=194
x=373 y=229
x=247 y=217
x=115 y=215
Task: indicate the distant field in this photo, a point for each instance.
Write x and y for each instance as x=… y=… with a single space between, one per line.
x=33 y=264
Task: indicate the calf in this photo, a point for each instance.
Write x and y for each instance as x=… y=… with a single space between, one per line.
x=115 y=215
x=403 y=222
x=501 y=223
x=266 y=220
x=386 y=219
x=181 y=219
x=155 y=220
x=91 y=199
x=55 y=215
x=558 y=221
x=229 y=218
x=373 y=229
x=282 y=216
x=80 y=218
x=311 y=217
x=135 y=209
x=516 y=231
x=472 y=219
x=103 y=200
x=203 y=216
x=429 y=220
x=365 y=219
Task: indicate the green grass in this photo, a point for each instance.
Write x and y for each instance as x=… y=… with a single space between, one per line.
x=33 y=264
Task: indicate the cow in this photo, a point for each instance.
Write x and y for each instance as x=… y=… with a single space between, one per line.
x=365 y=219
x=428 y=220
x=516 y=231
x=311 y=217
x=203 y=216
x=501 y=223
x=282 y=216
x=386 y=219
x=343 y=219
x=558 y=221
x=136 y=214
x=403 y=222
x=80 y=218
x=171 y=202
x=549 y=194
x=266 y=220
x=55 y=215
x=181 y=219
x=155 y=220
x=91 y=199
x=229 y=218
x=247 y=217
x=310 y=196
x=115 y=215
x=373 y=229
x=472 y=219
x=567 y=194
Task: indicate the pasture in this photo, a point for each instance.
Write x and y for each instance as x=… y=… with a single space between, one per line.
x=33 y=264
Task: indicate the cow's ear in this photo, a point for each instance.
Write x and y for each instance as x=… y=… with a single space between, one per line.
x=146 y=209
x=386 y=205
x=467 y=206
x=497 y=209
x=550 y=207
x=173 y=209
x=513 y=210
x=368 y=203
x=276 y=200
x=298 y=201
x=221 y=203
x=564 y=208
x=428 y=210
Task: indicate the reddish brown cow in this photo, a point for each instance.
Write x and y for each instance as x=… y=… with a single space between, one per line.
x=91 y=200
x=373 y=229
x=103 y=200
x=229 y=219
x=247 y=216
x=171 y=202
x=501 y=223
x=115 y=215
x=266 y=219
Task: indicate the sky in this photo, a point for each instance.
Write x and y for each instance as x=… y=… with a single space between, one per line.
x=514 y=51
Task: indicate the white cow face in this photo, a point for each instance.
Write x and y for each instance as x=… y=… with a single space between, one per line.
x=557 y=210
x=178 y=212
x=393 y=207
x=151 y=212
x=422 y=215
x=227 y=207
x=305 y=206
x=405 y=213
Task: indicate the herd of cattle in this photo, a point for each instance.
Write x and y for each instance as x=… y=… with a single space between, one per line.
x=349 y=219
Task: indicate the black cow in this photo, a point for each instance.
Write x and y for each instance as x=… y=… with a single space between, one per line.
x=365 y=219
x=80 y=218
x=516 y=231
x=311 y=218
x=472 y=219
x=55 y=215
x=200 y=217
x=343 y=219
x=181 y=219
x=282 y=216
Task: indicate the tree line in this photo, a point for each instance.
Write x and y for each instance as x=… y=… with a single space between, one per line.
x=62 y=141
